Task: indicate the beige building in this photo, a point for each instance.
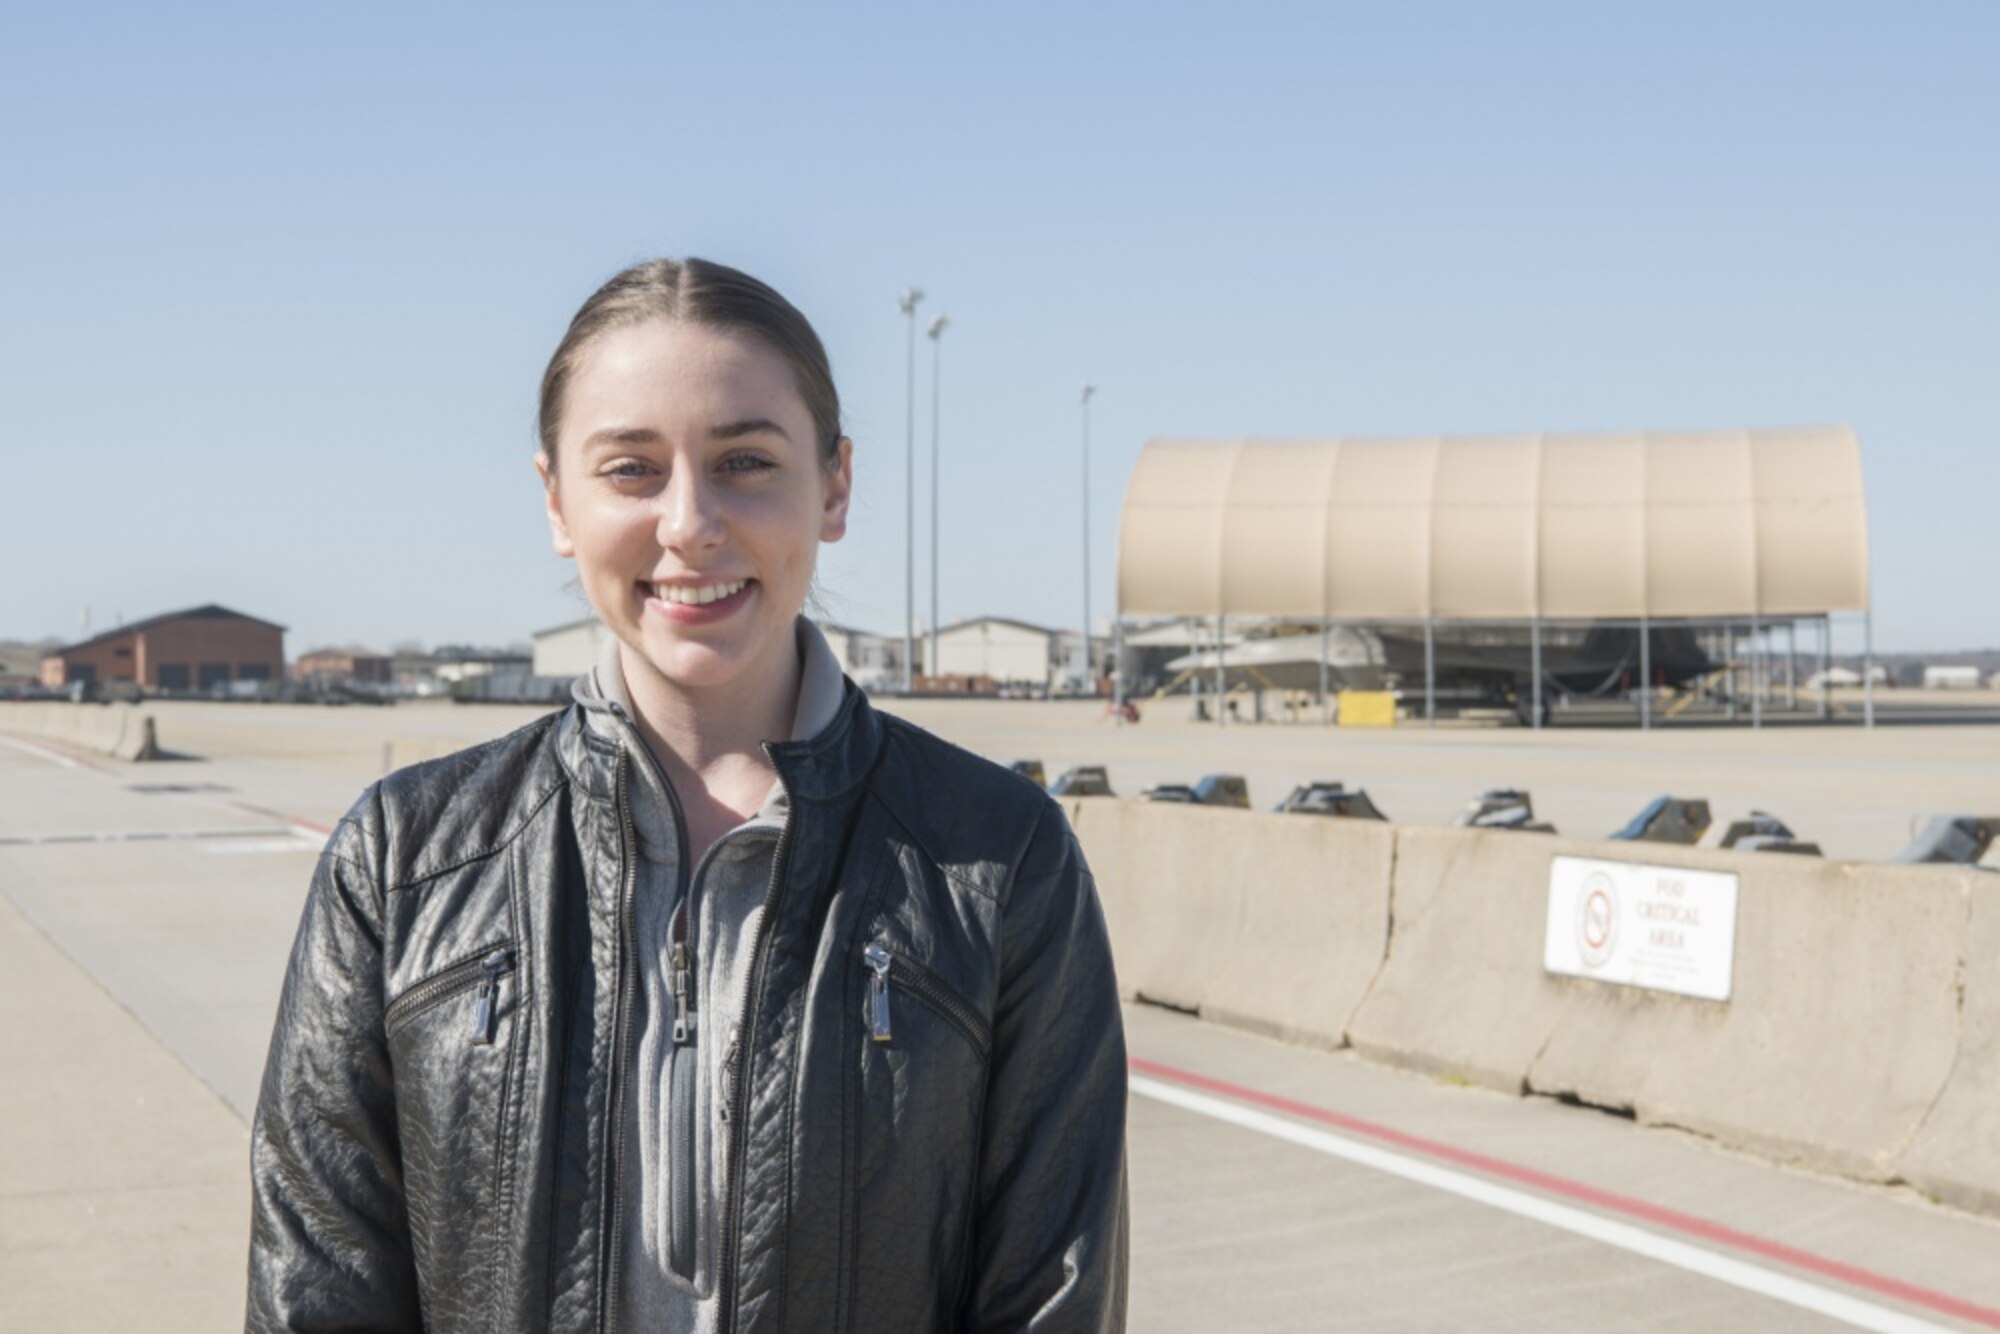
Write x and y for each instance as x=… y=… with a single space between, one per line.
x=1017 y=653
x=1662 y=525
x=21 y=665
x=568 y=650
x=875 y=662
x=1005 y=651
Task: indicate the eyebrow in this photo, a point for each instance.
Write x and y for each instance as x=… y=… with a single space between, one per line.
x=625 y=435
x=748 y=426
x=645 y=435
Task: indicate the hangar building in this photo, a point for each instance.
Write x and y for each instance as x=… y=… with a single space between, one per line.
x=1732 y=535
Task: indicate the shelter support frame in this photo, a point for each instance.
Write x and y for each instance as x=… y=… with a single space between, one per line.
x=1430 y=671
x=1736 y=644
x=1645 y=673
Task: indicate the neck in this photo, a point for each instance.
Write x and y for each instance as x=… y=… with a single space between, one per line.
x=702 y=730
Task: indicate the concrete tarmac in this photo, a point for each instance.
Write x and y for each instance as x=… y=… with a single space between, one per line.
x=146 y=910
x=124 y=1180
x=1859 y=793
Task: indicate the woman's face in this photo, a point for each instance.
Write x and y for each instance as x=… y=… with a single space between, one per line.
x=690 y=491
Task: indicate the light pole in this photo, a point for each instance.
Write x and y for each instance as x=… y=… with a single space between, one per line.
x=1089 y=672
x=907 y=303
x=936 y=334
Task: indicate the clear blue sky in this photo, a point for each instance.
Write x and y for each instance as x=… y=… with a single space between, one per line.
x=277 y=281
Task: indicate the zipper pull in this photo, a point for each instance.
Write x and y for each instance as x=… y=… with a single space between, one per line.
x=878 y=960
x=682 y=984
x=483 y=1017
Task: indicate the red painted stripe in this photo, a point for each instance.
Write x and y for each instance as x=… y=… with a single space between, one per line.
x=1609 y=1201
x=315 y=826
x=61 y=750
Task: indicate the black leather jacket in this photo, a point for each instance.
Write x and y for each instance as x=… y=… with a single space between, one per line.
x=432 y=1146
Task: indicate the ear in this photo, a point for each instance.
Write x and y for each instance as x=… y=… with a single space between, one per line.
x=558 y=528
x=836 y=485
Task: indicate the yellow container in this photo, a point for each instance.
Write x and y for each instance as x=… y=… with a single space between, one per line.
x=1367 y=708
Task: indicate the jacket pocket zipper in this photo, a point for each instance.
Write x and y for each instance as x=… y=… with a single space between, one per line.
x=483 y=972
x=887 y=967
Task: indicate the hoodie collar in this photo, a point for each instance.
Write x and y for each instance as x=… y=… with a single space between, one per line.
x=602 y=689
x=607 y=710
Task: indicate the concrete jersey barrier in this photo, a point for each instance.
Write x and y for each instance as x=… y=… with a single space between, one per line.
x=122 y=731
x=1839 y=1035
x=1862 y=1034
x=1955 y=1154
x=1271 y=923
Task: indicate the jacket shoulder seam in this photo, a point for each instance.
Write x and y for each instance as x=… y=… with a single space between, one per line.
x=1016 y=877
x=347 y=861
x=467 y=859
x=957 y=875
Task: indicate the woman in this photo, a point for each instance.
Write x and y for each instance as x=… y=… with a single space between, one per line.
x=717 y=1000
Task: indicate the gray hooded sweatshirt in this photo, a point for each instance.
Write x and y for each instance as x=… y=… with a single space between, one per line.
x=694 y=930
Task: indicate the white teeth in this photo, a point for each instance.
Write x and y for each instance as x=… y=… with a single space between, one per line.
x=697 y=597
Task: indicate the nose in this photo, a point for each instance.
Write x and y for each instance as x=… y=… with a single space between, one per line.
x=690 y=512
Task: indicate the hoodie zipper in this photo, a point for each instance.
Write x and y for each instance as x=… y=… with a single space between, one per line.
x=732 y=1110
x=682 y=1073
x=485 y=971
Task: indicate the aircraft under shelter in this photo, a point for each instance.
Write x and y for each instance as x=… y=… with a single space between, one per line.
x=1658 y=568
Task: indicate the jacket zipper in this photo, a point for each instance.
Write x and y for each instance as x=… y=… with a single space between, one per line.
x=733 y=1114
x=729 y=1077
x=483 y=1011
x=620 y=1058
x=484 y=971
x=927 y=987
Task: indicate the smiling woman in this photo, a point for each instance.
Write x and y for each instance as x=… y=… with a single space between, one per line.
x=688 y=483
x=716 y=1001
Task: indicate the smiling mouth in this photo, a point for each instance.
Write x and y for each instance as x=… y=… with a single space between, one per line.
x=685 y=595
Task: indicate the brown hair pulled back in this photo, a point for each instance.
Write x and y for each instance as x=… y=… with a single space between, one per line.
x=701 y=292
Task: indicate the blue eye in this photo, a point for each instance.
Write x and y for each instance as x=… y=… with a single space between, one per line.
x=747 y=463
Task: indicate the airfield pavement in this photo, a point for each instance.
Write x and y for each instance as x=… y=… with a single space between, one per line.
x=1860 y=793
x=145 y=912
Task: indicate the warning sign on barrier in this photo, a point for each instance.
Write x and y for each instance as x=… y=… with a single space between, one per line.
x=1667 y=928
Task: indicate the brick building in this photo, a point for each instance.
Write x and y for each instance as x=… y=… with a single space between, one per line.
x=194 y=651
x=343 y=667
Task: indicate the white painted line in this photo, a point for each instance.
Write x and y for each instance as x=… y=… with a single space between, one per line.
x=40 y=752
x=1764 y=1282
x=293 y=837
x=287 y=843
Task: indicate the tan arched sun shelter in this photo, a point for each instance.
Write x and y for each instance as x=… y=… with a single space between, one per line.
x=1702 y=525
